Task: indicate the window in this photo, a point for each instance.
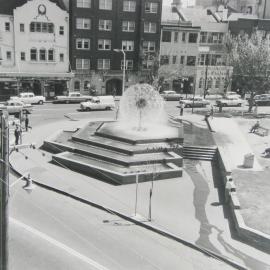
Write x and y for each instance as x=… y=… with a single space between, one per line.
x=7 y=26
x=192 y=38
x=220 y=38
x=41 y=27
x=61 y=57
x=77 y=86
x=210 y=38
x=8 y=55
x=128 y=26
x=175 y=37
x=150 y=27
x=105 y=4
x=191 y=60
x=105 y=25
x=83 y=44
x=201 y=83
x=164 y=59
x=51 y=55
x=209 y=83
x=182 y=60
x=42 y=55
x=174 y=59
x=61 y=30
x=104 y=63
x=21 y=27
x=147 y=64
x=82 y=63
x=151 y=7
x=22 y=56
x=83 y=3
x=166 y=36
x=217 y=85
x=149 y=46
x=86 y=85
x=183 y=37
x=104 y=44
x=128 y=45
x=129 y=6
x=203 y=37
x=33 y=54
x=83 y=23
x=129 y=64
x=202 y=58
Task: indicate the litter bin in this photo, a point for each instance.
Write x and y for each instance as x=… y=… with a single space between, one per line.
x=248 y=160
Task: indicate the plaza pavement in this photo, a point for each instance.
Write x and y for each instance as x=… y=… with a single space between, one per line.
x=188 y=207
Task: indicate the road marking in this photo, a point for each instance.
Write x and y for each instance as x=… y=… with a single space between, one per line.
x=58 y=244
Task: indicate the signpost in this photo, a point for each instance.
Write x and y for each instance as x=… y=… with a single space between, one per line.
x=4 y=190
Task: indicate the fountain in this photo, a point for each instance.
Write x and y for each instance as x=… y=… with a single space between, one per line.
x=140 y=142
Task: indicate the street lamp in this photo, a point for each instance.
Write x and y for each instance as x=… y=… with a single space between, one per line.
x=124 y=68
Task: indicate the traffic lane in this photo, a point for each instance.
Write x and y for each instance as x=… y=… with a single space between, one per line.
x=53 y=112
x=100 y=236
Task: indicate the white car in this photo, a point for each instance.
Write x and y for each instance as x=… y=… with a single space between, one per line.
x=72 y=97
x=98 y=103
x=230 y=101
x=15 y=107
x=170 y=95
x=194 y=102
x=29 y=98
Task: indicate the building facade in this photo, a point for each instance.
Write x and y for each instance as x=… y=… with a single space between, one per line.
x=102 y=33
x=34 y=49
x=193 y=44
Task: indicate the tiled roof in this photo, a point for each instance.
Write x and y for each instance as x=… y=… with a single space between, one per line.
x=7 y=6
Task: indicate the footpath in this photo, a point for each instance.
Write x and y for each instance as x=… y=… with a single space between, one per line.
x=177 y=211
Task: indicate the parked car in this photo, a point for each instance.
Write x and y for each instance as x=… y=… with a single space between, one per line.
x=230 y=101
x=170 y=95
x=98 y=103
x=29 y=98
x=15 y=107
x=262 y=100
x=194 y=102
x=72 y=97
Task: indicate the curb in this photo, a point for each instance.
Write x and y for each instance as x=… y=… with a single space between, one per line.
x=139 y=223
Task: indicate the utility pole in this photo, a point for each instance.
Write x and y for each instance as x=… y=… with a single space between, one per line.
x=4 y=190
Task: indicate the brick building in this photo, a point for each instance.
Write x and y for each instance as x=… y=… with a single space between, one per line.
x=97 y=28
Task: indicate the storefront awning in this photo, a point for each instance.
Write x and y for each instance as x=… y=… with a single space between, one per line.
x=27 y=75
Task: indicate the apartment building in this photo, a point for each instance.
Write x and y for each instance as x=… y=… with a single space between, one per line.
x=34 y=48
x=103 y=33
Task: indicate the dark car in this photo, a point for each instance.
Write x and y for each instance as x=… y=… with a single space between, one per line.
x=262 y=100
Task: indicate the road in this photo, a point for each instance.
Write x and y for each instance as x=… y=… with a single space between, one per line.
x=49 y=231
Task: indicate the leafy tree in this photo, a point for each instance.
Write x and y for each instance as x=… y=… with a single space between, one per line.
x=250 y=58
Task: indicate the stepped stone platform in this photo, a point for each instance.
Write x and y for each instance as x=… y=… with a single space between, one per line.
x=104 y=151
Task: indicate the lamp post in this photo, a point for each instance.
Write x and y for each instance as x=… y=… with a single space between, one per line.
x=206 y=74
x=124 y=68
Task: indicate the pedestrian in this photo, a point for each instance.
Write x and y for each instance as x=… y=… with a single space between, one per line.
x=26 y=122
x=182 y=106
x=212 y=111
x=17 y=134
x=255 y=127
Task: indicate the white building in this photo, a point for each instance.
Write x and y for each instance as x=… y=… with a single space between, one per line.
x=34 y=48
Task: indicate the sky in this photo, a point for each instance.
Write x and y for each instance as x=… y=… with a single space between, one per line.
x=168 y=2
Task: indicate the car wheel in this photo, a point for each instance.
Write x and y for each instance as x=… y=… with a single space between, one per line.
x=239 y=105
x=187 y=106
x=40 y=102
x=67 y=101
x=87 y=109
x=107 y=108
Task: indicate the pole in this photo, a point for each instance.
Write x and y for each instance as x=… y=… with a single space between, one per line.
x=20 y=118
x=150 y=200
x=206 y=74
x=124 y=72
x=136 y=195
x=4 y=172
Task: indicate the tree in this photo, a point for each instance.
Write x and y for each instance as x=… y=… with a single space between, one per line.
x=250 y=58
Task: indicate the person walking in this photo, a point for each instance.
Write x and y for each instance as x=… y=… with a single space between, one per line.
x=26 y=122
x=182 y=106
x=255 y=127
x=17 y=134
